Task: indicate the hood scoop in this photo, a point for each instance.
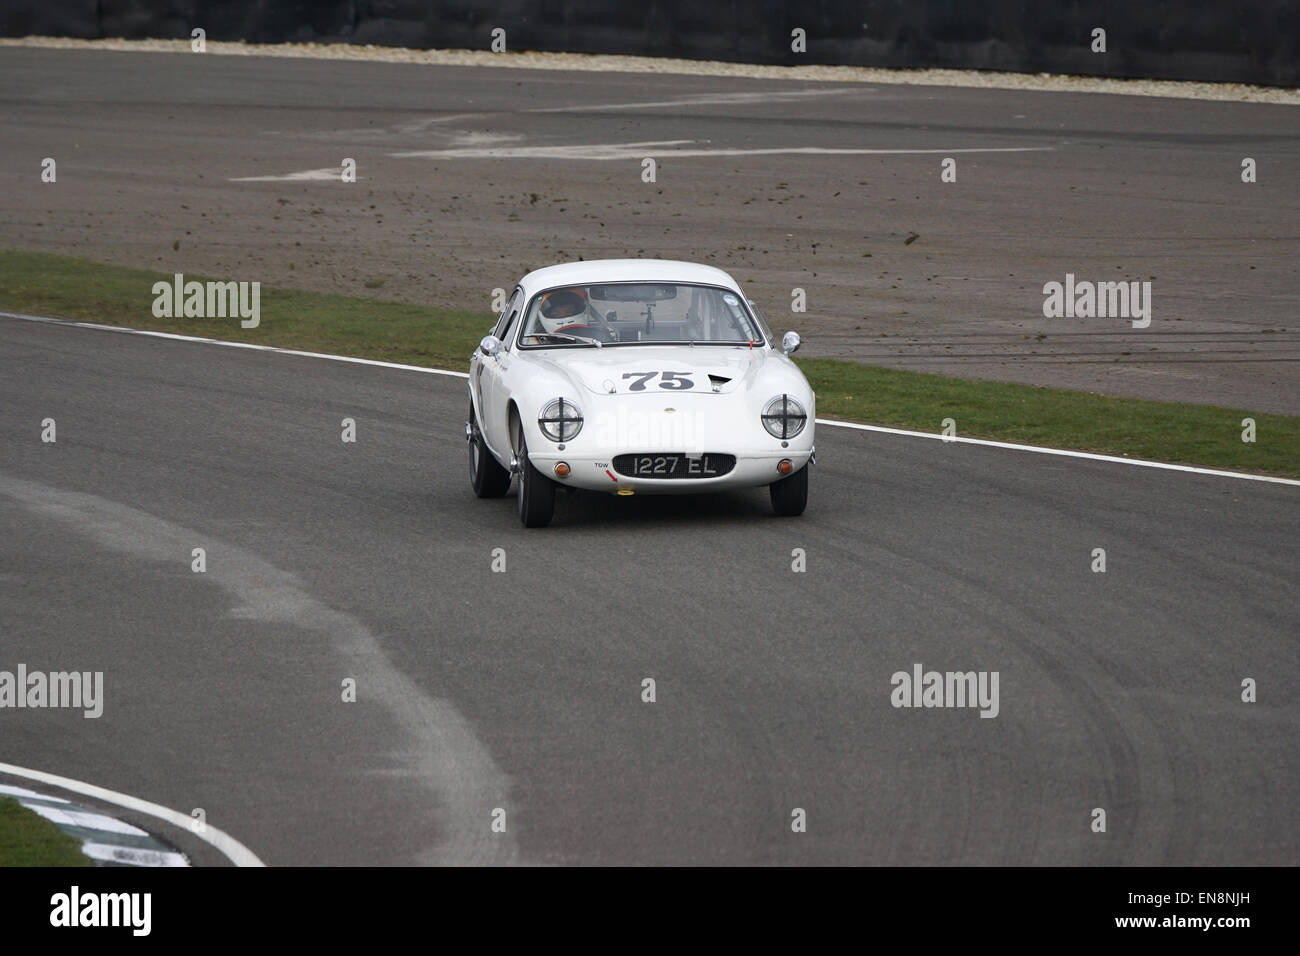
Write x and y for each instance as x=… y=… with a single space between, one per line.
x=717 y=381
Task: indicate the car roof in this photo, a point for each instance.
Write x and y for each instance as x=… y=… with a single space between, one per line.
x=624 y=270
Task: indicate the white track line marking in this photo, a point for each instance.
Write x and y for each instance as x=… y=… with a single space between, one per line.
x=233 y=850
x=455 y=139
x=1011 y=446
x=1066 y=453
x=231 y=345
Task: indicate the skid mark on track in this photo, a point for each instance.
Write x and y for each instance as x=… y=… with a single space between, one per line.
x=747 y=98
x=441 y=749
x=678 y=149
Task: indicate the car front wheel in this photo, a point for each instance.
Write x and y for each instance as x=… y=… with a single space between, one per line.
x=790 y=494
x=536 y=491
x=486 y=476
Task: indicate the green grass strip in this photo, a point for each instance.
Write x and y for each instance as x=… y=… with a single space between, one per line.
x=1203 y=435
x=28 y=839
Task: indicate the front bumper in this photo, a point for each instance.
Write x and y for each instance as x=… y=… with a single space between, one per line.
x=752 y=470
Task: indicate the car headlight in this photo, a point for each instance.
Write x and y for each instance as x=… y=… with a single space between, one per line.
x=783 y=417
x=561 y=420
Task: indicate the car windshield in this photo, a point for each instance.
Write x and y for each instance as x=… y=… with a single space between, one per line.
x=637 y=313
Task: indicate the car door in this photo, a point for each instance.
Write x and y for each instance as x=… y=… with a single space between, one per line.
x=481 y=365
x=492 y=394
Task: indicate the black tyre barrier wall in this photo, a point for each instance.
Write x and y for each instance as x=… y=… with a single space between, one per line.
x=1244 y=41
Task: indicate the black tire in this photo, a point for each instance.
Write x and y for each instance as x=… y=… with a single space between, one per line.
x=486 y=476
x=536 y=491
x=790 y=494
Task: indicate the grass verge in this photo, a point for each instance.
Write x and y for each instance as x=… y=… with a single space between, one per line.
x=1204 y=435
x=28 y=839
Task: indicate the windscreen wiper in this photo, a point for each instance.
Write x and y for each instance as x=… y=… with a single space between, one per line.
x=571 y=338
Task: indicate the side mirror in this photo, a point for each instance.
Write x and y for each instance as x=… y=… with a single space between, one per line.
x=491 y=345
x=790 y=342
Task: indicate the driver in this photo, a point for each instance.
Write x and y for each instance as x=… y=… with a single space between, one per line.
x=563 y=305
x=568 y=309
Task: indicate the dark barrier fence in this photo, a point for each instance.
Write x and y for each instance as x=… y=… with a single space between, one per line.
x=1246 y=41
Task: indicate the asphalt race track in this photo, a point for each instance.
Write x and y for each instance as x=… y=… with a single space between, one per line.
x=517 y=696
x=522 y=690
x=228 y=166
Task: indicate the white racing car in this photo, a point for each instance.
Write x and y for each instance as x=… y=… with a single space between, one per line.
x=636 y=376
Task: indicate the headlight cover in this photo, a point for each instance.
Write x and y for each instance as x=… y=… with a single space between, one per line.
x=561 y=420
x=783 y=417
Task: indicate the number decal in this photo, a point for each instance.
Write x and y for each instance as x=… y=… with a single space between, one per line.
x=677 y=381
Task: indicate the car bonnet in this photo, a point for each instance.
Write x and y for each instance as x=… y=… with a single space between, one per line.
x=623 y=370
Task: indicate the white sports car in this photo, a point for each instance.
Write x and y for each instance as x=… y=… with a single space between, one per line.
x=636 y=376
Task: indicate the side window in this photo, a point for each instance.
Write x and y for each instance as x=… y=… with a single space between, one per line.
x=509 y=326
x=761 y=319
x=508 y=315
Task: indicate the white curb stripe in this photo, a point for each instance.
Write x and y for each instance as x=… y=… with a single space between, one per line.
x=107 y=829
x=231 y=848
x=8 y=791
x=132 y=856
x=99 y=847
x=1039 y=449
x=85 y=819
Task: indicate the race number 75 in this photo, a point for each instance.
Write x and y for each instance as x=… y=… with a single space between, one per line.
x=672 y=380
